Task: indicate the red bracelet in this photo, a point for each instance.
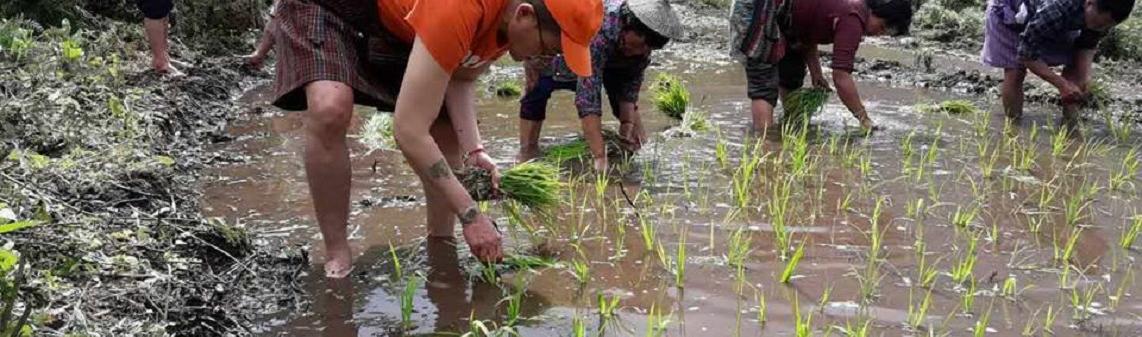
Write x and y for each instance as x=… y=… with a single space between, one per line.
x=474 y=152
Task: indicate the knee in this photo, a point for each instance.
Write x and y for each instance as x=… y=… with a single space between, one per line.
x=329 y=118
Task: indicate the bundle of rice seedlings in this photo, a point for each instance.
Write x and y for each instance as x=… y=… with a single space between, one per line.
x=670 y=96
x=692 y=123
x=578 y=149
x=377 y=133
x=532 y=184
x=802 y=104
x=952 y=107
x=508 y=89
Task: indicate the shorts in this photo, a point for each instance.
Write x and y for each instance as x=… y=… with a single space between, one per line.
x=155 y=9
x=763 y=79
x=1001 y=44
x=533 y=105
x=314 y=44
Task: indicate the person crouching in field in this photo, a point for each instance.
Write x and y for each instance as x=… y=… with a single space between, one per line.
x=620 y=53
x=1035 y=35
x=777 y=40
x=333 y=54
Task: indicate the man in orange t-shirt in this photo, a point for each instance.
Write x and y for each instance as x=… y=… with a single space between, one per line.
x=337 y=53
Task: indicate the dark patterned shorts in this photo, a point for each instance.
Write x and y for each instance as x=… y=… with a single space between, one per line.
x=155 y=9
x=314 y=44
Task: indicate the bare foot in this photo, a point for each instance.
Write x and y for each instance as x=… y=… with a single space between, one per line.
x=527 y=153
x=168 y=70
x=255 y=61
x=601 y=164
x=338 y=262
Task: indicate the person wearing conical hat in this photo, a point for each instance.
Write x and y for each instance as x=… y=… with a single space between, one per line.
x=421 y=59
x=620 y=54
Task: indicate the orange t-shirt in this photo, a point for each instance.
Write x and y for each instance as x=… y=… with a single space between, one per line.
x=458 y=33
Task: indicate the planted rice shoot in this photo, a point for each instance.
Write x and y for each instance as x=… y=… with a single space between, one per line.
x=670 y=96
x=918 y=313
x=607 y=306
x=1131 y=232
x=508 y=89
x=791 y=265
x=802 y=104
x=411 y=285
x=803 y=324
x=962 y=271
x=1126 y=171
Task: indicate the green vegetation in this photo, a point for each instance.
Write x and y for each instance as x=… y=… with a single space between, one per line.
x=377 y=133
x=670 y=96
x=578 y=149
x=952 y=107
x=532 y=184
x=508 y=89
x=802 y=104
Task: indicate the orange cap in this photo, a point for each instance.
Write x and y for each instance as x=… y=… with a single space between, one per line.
x=579 y=20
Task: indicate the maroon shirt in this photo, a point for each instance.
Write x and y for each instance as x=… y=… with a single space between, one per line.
x=837 y=22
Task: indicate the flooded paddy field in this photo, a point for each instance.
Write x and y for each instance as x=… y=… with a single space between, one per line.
x=937 y=224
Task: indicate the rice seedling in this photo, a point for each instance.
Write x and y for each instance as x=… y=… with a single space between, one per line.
x=778 y=208
x=397 y=269
x=802 y=104
x=962 y=271
x=578 y=149
x=670 y=96
x=508 y=89
x=1120 y=130
x=1065 y=255
x=695 y=121
x=649 y=233
x=918 y=313
x=1010 y=288
x=411 y=285
x=968 y=297
x=951 y=107
x=513 y=307
x=1029 y=327
x=980 y=327
x=739 y=248
x=578 y=329
x=680 y=262
x=721 y=151
x=928 y=158
x=859 y=330
x=824 y=300
x=1125 y=282
x=797 y=144
x=1059 y=142
x=907 y=150
x=656 y=322
x=532 y=184
x=479 y=328
x=1074 y=208
x=1081 y=303
x=1130 y=233
x=791 y=265
x=803 y=324
x=581 y=271
x=742 y=180
x=1049 y=319
x=962 y=218
x=607 y=306
x=762 y=307
x=1127 y=170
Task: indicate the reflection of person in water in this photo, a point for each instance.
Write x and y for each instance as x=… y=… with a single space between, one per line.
x=447 y=288
x=338 y=308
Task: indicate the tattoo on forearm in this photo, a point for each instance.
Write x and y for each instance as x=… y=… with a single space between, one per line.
x=440 y=170
x=468 y=216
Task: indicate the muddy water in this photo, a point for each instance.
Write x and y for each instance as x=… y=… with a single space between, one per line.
x=690 y=202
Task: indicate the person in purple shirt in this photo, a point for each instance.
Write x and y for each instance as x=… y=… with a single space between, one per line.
x=804 y=26
x=1035 y=35
x=620 y=53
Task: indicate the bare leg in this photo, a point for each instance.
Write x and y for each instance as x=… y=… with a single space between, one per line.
x=593 y=131
x=440 y=218
x=1011 y=91
x=762 y=113
x=528 y=139
x=156 y=31
x=327 y=168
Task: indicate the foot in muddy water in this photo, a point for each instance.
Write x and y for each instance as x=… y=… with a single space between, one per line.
x=338 y=263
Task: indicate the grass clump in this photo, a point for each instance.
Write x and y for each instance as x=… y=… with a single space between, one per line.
x=958 y=27
x=508 y=89
x=377 y=133
x=952 y=107
x=670 y=96
x=532 y=184
x=802 y=104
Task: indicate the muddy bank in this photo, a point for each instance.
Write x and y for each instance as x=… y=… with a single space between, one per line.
x=102 y=163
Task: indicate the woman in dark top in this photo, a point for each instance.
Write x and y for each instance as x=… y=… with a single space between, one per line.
x=842 y=23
